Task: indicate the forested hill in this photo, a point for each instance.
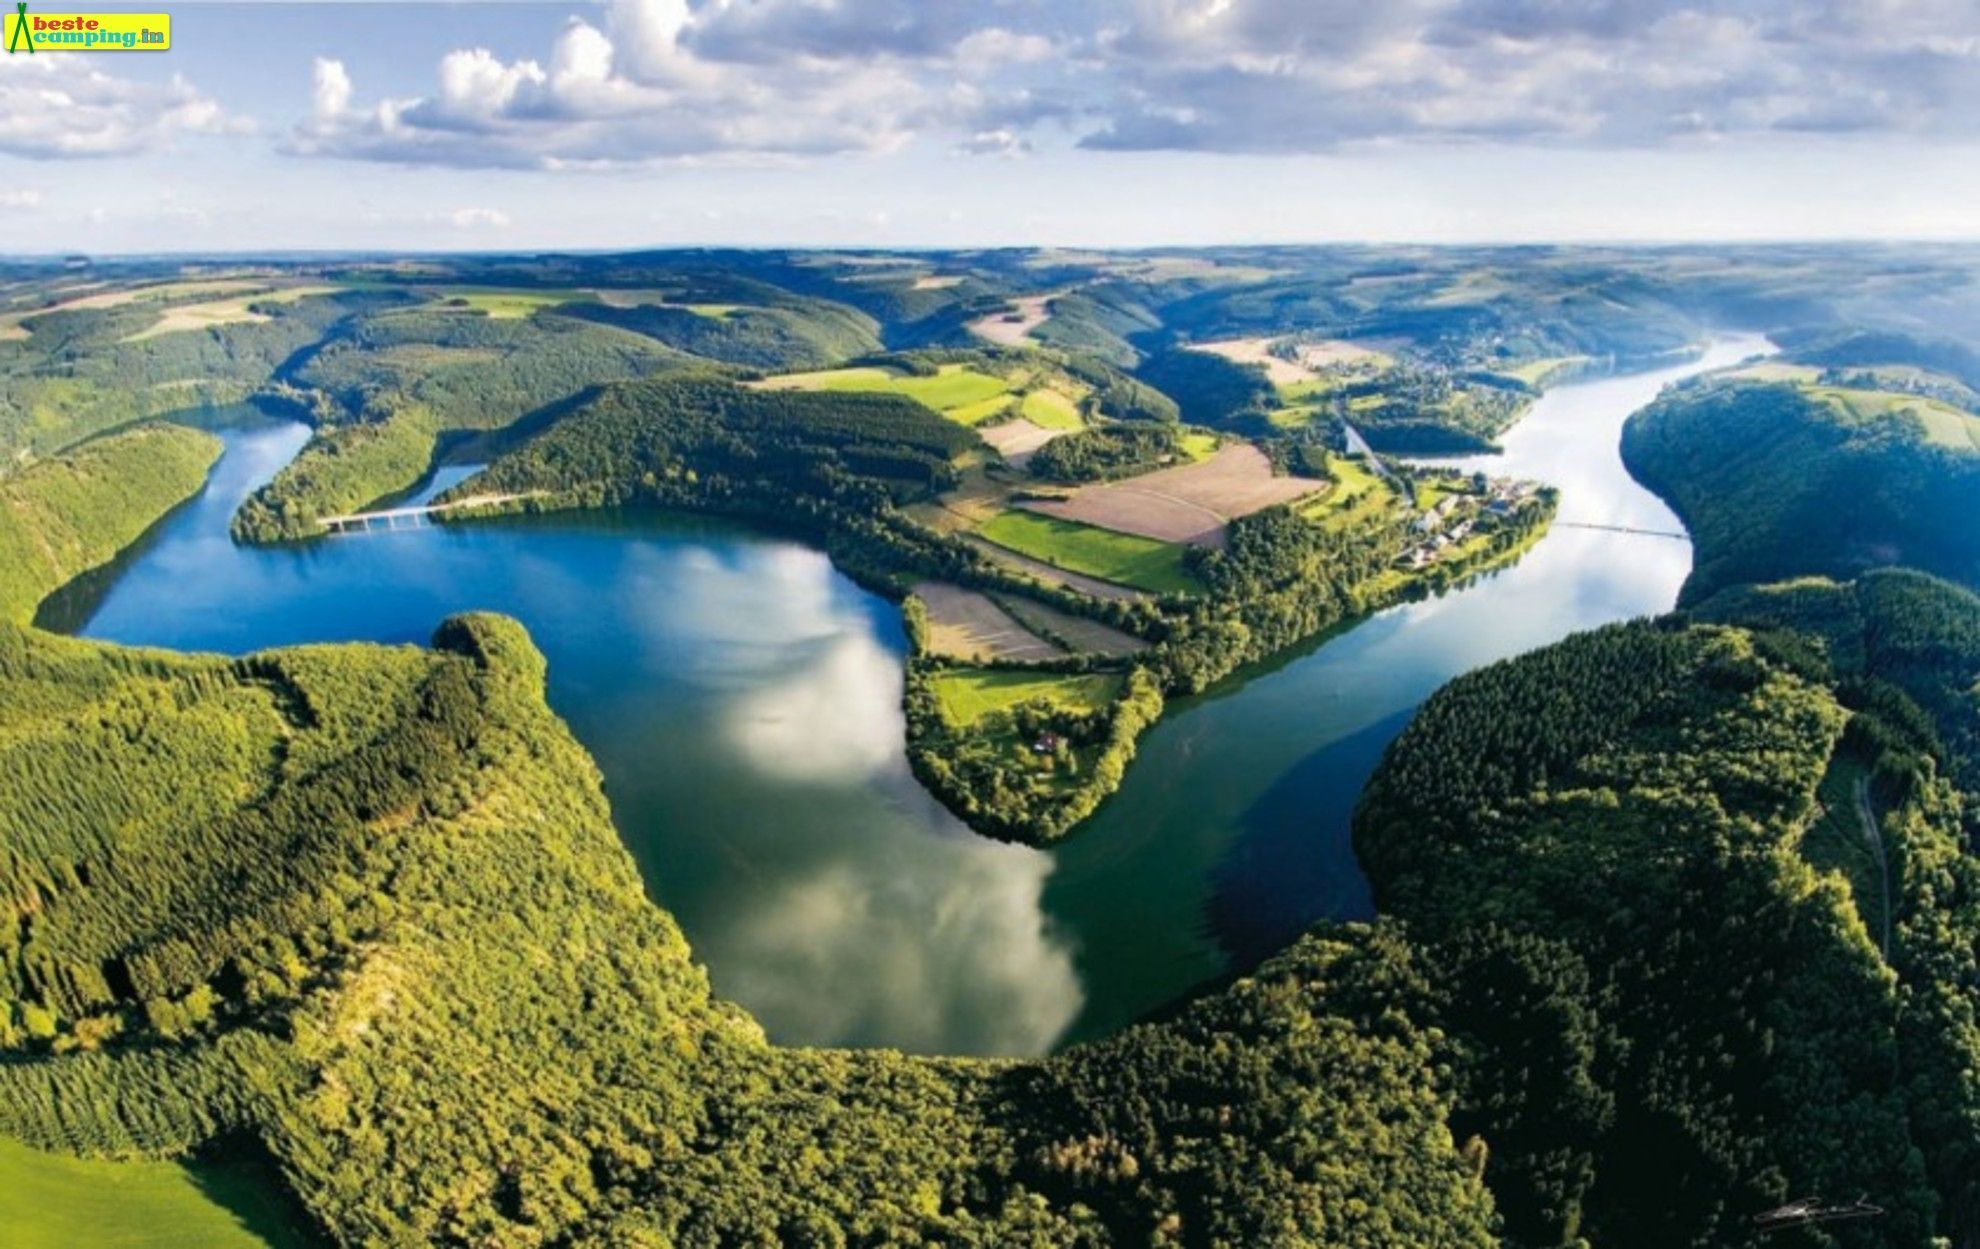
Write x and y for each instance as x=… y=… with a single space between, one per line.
x=63 y=516
x=365 y=906
x=1638 y=861
x=1776 y=482
x=1896 y=627
x=1679 y=918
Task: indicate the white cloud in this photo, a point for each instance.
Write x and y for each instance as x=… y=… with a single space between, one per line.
x=478 y=219
x=55 y=107
x=333 y=89
x=1003 y=141
x=1292 y=76
x=660 y=81
x=20 y=197
x=752 y=79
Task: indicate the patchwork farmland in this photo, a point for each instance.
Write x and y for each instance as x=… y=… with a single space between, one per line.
x=1190 y=503
x=967 y=624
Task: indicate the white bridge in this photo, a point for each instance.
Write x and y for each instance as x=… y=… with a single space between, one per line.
x=1648 y=533
x=389 y=517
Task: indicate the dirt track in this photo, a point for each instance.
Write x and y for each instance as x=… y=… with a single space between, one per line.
x=1054 y=576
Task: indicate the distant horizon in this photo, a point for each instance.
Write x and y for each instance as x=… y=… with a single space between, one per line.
x=1628 y=244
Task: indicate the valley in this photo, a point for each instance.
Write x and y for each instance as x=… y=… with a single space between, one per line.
x=786 y=625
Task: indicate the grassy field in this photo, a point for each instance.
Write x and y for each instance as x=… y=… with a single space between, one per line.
x=1538 y=373
x=865 y=377
x=953 y=388
x=963 y=394
x=1200 y=446
x=1430 y=493
x=1123 y=558
x=1775 y=371
x=1293 y=416
x=1312 y=388
x=231 y=311
x=54 y=1201
x=969 y=694
x=992 y=408
x=1357 y=492
x=1944 y=425
x=1052 y=410
x=1949 y=427
x=509 y=305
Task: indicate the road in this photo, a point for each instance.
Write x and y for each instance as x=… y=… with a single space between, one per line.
x=1873 y=836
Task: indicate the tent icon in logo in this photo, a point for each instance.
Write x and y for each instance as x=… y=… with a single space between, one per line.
x=21 y=32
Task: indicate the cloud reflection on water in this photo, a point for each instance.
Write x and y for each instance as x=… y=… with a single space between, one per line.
x=826 y=891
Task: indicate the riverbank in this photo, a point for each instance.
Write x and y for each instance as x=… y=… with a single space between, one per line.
x=744 y=703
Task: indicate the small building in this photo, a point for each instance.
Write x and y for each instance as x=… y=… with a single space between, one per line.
x=1048 y=743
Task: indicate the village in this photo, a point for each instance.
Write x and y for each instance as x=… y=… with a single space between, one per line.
x=1461 y=509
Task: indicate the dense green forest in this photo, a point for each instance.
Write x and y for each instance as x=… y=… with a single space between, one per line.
x=1678 y=918
x=63 y=516
x=356 y=892
x=366 y=908
x=1110 y=451
x=70 y=371
x=1407 y=407
x=389 y=387
x=1775 y=483
x=1212 y=391
x=1665 y=1019
x=810 y=336
x=1892 y=626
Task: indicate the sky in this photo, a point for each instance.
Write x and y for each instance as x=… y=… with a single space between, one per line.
x=927 y=123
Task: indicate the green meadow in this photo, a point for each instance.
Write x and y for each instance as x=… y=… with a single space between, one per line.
x=1537 y=373
x=54 y=1201
x=969 y=694
x=1052 y=410
x=1943 y=424
x=1357 y=492
x=1124 y=558
x=509 y=305
x=965 y=395
x=1199 y=445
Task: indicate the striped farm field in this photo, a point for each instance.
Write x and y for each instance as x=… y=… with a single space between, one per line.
x=1123 y=558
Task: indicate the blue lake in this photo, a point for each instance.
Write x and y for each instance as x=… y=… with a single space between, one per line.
x=743 y=701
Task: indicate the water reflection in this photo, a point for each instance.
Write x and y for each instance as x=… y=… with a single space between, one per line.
x=743 y=702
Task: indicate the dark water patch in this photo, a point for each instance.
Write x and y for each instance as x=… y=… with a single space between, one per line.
x=1294 y=862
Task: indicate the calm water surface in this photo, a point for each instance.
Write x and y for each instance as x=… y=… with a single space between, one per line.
x=743 y=701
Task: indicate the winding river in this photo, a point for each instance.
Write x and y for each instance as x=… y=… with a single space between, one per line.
x=743 y=701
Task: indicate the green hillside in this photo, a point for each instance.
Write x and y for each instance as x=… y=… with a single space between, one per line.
x=369 y=909
x=63 y=516
x=1776 y=482
x=1668 y=1017
x=387 y=388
